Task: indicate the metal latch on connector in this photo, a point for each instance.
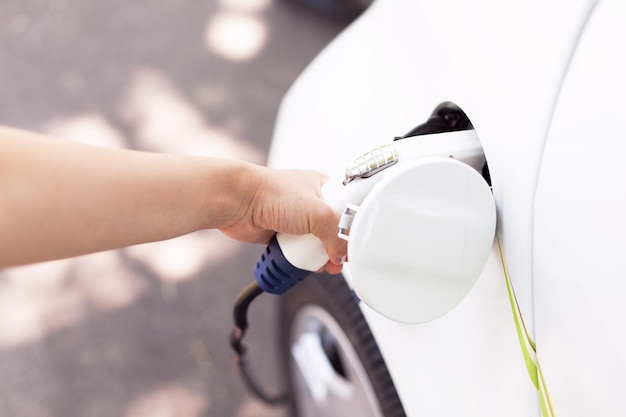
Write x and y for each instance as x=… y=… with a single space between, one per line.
x=371 y=162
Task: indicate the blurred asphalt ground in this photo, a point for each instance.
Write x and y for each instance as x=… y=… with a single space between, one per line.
x=144 y=331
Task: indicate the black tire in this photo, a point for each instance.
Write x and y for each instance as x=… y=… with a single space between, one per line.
x=324 y=305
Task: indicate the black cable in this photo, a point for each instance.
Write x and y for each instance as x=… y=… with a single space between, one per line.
x=240 y=314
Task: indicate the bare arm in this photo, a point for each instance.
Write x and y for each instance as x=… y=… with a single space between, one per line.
x=61 y=199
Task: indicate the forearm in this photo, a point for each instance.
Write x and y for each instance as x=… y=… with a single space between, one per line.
x=60 y=199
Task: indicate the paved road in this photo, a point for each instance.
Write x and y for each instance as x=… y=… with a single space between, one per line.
x=143 y=331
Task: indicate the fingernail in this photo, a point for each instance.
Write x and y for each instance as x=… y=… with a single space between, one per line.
x=339 y=261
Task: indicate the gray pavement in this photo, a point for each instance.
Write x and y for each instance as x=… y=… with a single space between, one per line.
x=144 y=331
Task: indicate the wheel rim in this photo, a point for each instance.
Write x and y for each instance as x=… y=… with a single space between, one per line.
x=328 y=377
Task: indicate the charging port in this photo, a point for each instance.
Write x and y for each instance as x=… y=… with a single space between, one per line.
x=447 y=117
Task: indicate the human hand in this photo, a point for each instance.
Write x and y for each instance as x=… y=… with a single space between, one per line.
x=287 y=201
x=60 y=199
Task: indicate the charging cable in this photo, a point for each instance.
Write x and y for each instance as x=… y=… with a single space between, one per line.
x=240 y=313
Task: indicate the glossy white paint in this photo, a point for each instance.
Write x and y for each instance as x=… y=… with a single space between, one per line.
x=580 y=230
x=505 y=63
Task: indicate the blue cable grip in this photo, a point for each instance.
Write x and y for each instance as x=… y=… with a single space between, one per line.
x=274 y=273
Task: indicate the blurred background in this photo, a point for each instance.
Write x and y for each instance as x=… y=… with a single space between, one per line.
x=144 y=331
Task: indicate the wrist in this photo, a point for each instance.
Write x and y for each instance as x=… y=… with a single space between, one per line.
x=233 y=189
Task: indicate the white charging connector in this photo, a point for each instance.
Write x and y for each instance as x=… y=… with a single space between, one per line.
x=419 y=219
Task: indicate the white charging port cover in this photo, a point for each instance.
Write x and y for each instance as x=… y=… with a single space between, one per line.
x=421 y=239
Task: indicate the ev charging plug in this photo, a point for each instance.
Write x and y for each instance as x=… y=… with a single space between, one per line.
x=423 y=225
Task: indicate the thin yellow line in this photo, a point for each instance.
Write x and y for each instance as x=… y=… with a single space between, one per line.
x=529 y=349
x=547 y=408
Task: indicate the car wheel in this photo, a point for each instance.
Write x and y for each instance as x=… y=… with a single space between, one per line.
x=334 y=367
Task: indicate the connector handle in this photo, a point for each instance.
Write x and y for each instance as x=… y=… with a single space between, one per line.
x=274 y=273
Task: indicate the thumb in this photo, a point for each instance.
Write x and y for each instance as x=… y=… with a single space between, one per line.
x=325 y=228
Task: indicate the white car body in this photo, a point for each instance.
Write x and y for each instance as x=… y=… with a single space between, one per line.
x=544 y=85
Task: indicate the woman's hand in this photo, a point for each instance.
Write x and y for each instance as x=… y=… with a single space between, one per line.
x=287 y=201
